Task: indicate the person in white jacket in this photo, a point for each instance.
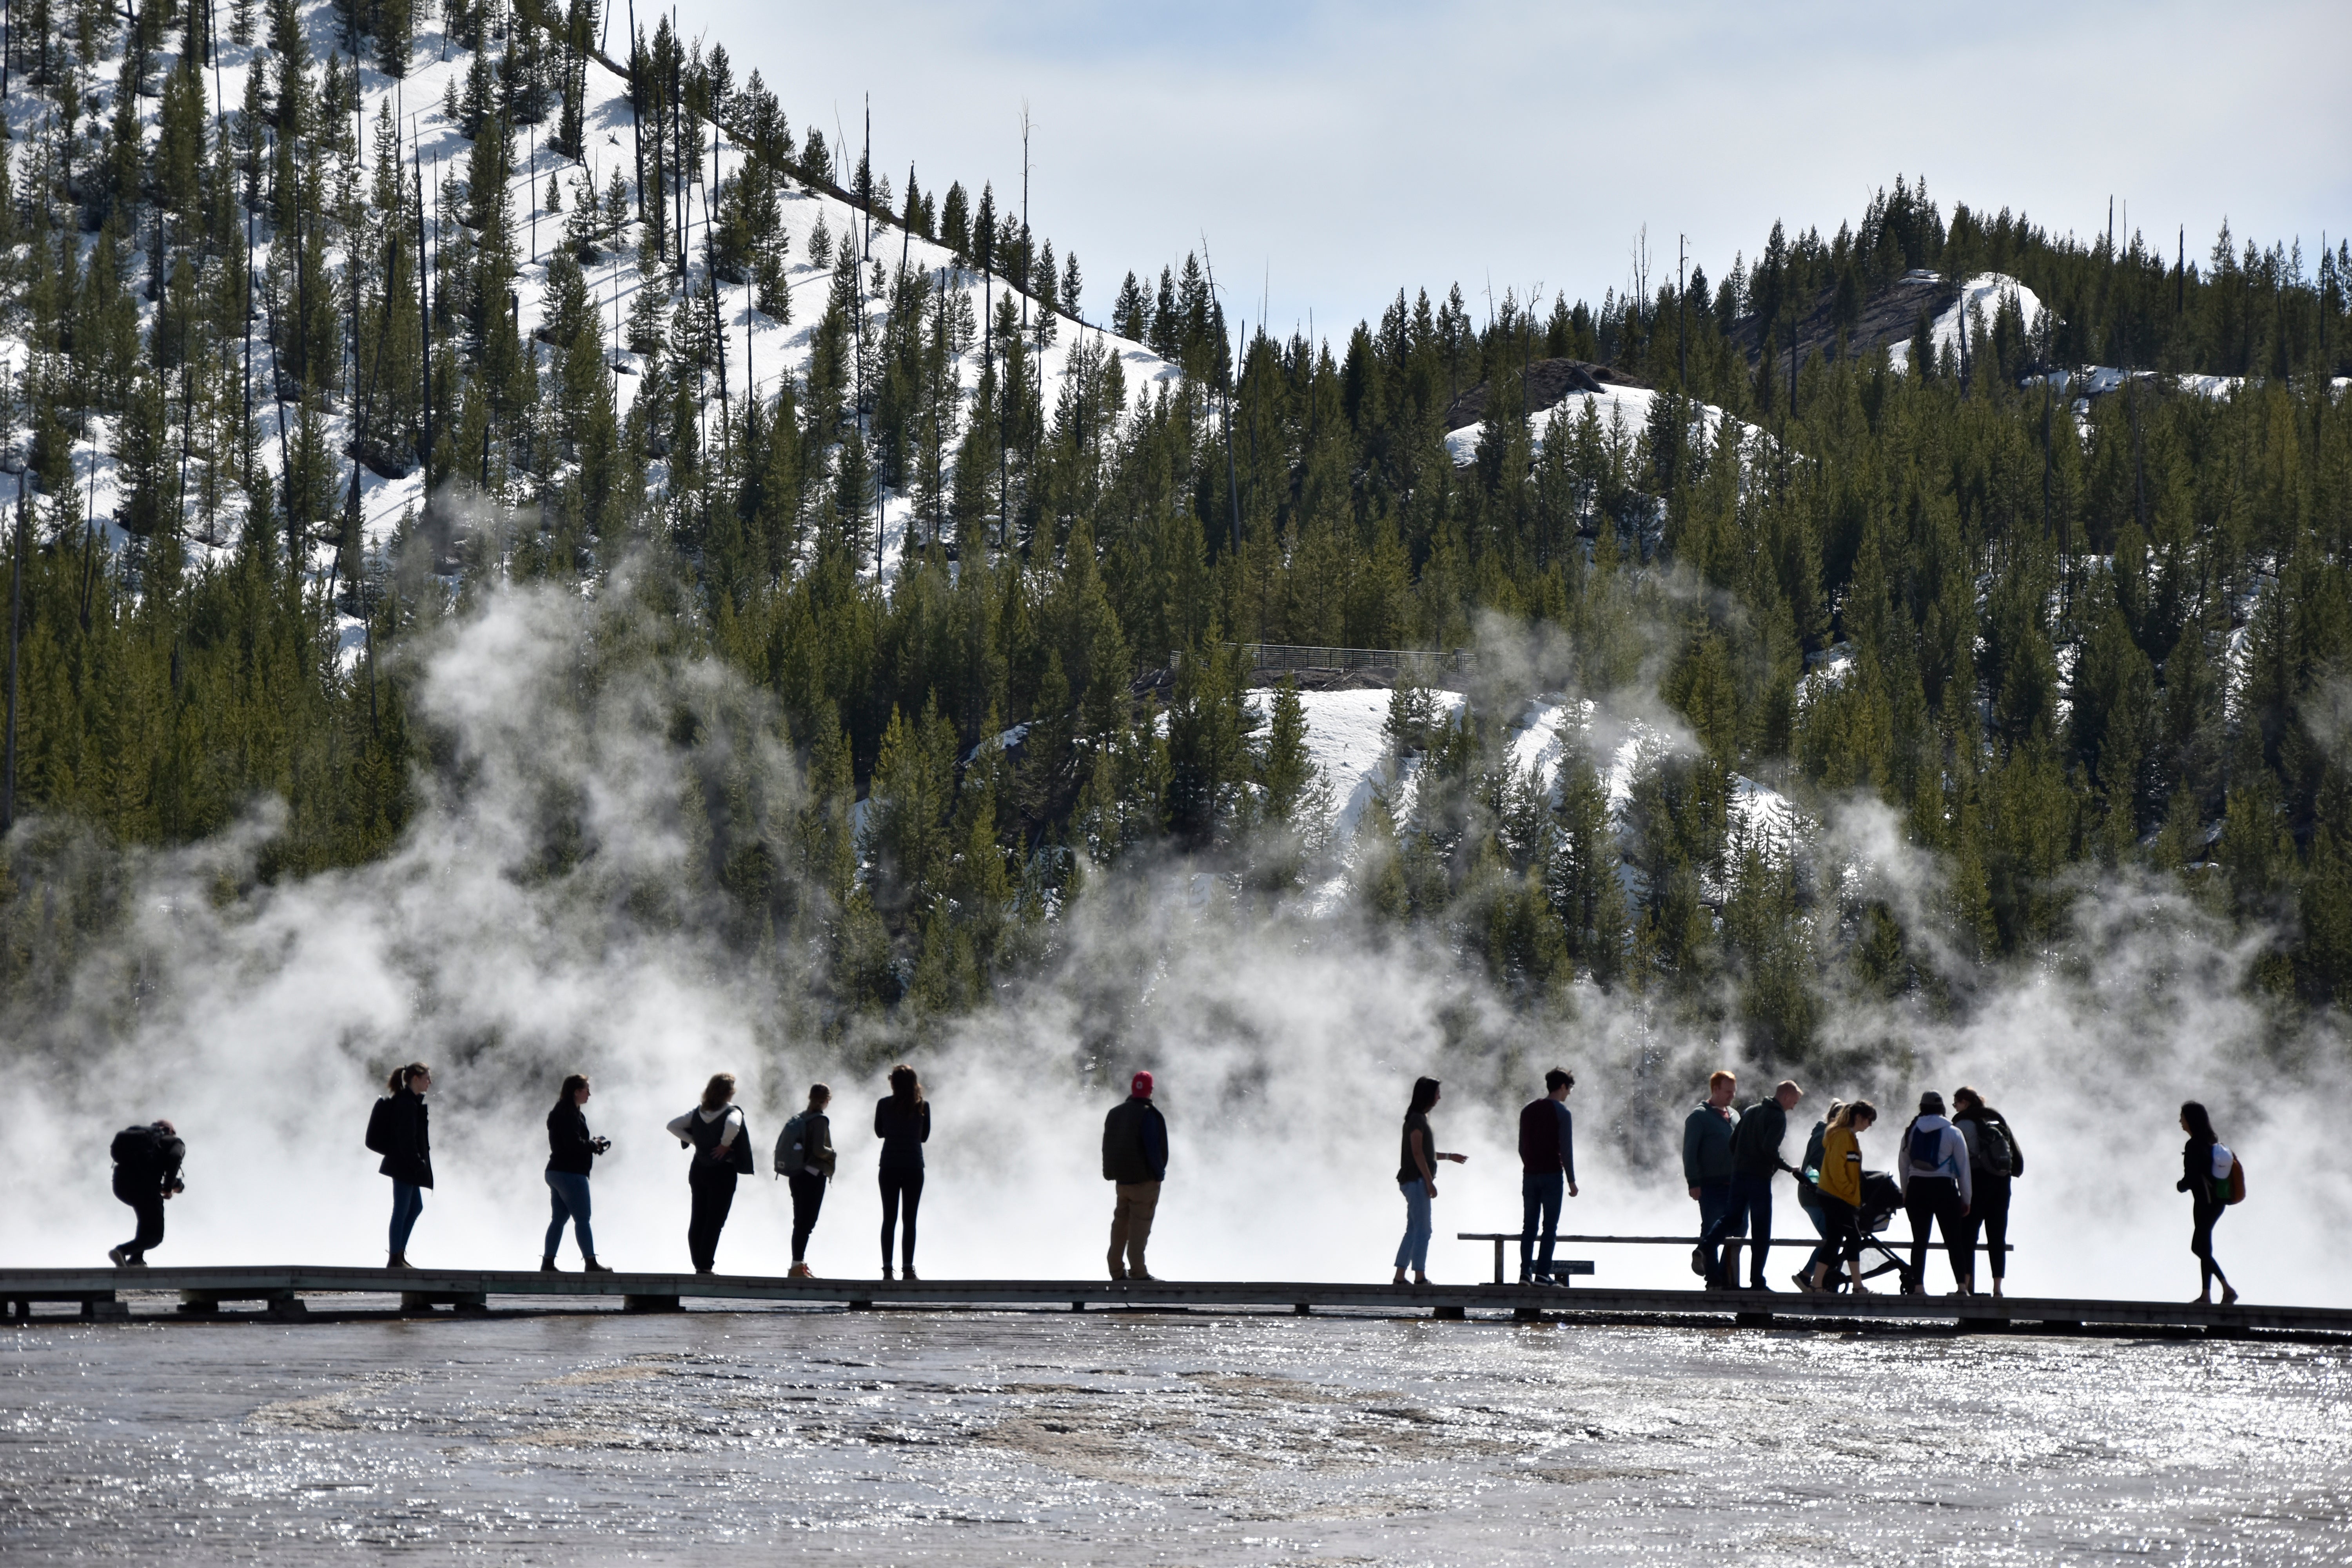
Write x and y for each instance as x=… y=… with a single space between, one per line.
x=1932 y=1163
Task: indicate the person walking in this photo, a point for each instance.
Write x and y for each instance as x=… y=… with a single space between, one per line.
x=1135 y=1159
x=903 y=1121
x=1547 y=1166
x=1809 y=1195
x=1932 y=1165
x=1755 y=1161
x=572 y=1152
x=400 y=1129
x=804 y=1158
x=1706 y=1167
x=1841 y=1193
x=1993 y=1163
x=2206 y=1164
x=1417 y=1179
x=721 y=1141
x=146 y=1173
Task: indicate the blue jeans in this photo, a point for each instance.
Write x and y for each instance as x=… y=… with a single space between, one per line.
x=407 y=1203
x=1540 y=1194
x=1716 y=1219
x=1412 y=1252
x=1748 y=1214
x=567 y=1195
x=1821 y=1254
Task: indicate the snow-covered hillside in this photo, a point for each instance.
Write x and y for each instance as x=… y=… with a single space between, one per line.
x=1623 y=412
x=759 y=351
x=1983 y=295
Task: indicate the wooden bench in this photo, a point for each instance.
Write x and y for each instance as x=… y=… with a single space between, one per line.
x=1559 y=1265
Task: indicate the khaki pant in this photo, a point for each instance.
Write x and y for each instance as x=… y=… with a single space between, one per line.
x=1130 y=1227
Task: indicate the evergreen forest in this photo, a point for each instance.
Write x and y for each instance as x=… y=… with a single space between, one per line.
x=2067 y=599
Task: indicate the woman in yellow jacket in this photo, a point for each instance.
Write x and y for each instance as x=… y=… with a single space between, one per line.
x=1841 y=1193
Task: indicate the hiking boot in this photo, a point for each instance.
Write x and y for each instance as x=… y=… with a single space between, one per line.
x=1140 y=1274
x=546 y=1266
x=886 y=1271
x=119 y=1256
x=590 y=1266
x=396 y=1260
x=908 y=1272
x=1117 y=1274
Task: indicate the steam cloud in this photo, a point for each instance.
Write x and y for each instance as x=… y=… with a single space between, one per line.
x=260 y=1019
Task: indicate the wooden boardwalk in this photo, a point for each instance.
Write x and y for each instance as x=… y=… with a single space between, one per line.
x=157 y=1294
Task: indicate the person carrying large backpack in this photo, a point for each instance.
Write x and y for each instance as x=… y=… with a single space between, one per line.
x=400 y=1129
x=1932 y=1165
x=2211 y=1175
x=1993 y=1163
x=146 y=1172
x=804 y=1158
x=721 y=1143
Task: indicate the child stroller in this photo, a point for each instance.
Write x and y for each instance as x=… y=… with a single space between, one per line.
x=1882 y=1200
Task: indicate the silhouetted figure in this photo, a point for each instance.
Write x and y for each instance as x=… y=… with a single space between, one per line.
x=903 y=1121
x=146 y=1172
x=804 y=1158
x=1135 y=1158
x=1707 y=1170
x=401 y=1131
x=1755 y=1161
x=2205 y=1176
x=714 y=1129
x=1932 y=1163
x=1547 y=1169
x=1417 y=1180
x=572 y=1152
x=1994 y=1161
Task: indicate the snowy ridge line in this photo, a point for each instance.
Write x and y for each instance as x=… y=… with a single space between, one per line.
x=759 y=352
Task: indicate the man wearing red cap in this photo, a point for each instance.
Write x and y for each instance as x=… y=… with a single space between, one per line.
x=1135 y=1159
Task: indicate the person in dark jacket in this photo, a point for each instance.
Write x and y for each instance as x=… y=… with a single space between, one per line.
x=572 y=1150
x=715 y=1131
x=1755 y=1161
x=1994 y=1161
x=1706 y=1167
x=1134 y=1158
x=408 y=1153
x=902 y=1120
x=1808 y=1197
x=804 y=1158
x=1931 y=1162
x=146 y=1172
x=1547 y=1164
x=2205 y=1167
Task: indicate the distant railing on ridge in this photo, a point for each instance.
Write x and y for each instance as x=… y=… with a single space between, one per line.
x=1420 y=661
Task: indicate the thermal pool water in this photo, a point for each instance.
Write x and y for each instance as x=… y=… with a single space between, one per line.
x=977 y=1438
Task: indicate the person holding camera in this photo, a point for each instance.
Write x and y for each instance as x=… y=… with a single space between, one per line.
x=146 y=1172
x=572 y=1150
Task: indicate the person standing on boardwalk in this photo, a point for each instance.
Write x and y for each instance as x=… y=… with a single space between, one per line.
x=804 y=1158
x=1755 y=1161
x=1841 y=1192
x=1134 y=1158
x=1706 y=1168
x=146 y=1172
x=1417 y=1180
x=1547 y=1164
x=1809 y=1195
x=572 y=1152
x=1993 y=1163
x=400 y=1129
x=903 y=1121
x=2207 y=1169
x=1932 y=1162
x=721 y=1143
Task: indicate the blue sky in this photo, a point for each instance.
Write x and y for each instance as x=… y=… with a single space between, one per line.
x=1331 y=153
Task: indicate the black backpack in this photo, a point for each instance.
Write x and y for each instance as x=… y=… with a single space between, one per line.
x=379 y=1132
x=134 y=1146
x=1994 y=1155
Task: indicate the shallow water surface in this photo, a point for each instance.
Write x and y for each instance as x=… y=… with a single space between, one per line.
x=965 y=1438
